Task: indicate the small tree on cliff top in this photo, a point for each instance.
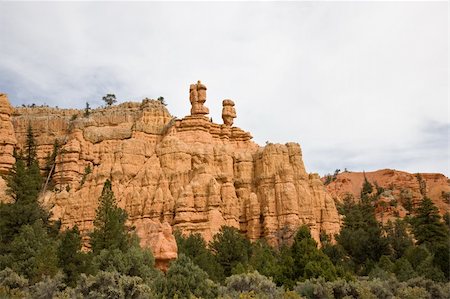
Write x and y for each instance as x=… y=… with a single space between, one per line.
x=109 y=99
x=110 y=231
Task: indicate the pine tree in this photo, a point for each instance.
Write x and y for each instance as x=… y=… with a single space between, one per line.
x=30 y=147
x=361 y=235
x=432 y=232
x=309 y=261
x=110 y=99
x=110 y=231
x=398 y=237
x=24 y=183
x=427 y=224
x=230 y=248
x=194 y=247
x=71 y=259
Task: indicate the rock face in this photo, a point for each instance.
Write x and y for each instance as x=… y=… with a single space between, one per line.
x=400 y=189
x=228 y=112
x=7 y=135
x=7 y=143
x=188 y=174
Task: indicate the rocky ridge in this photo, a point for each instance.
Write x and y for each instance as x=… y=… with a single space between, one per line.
x=401 y=194
x=189 y=174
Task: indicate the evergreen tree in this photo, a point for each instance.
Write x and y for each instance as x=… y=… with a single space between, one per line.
x=87 y=110
x=194 y=247
x=71 y=259
x=31 y=253
x=110 y=231
x=30 y=147
x=109 y=99
x=309 y=261
x=361 y=235
x=433 y=233
x=230 y=248
x=286 y=275
x=24 y=183
x=366 y=190
x=398 y=237
x=184 y=279
x=427 y=225
x=264 y=259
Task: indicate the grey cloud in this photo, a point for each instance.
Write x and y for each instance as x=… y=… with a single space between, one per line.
x=358 y=85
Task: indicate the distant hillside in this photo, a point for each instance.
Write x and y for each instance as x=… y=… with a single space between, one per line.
x=401 y=193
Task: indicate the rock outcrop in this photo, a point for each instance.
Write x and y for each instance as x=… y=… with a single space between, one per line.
x=188 y=174
x=228 y=112
x=402 y=191
x=7 y=135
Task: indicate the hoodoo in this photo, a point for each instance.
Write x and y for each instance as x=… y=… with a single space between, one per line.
x=188 y=174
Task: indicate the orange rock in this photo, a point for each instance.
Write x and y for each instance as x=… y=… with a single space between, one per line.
x=7 y=136
x=400 y=187
x=228 y=112
x=188 y=174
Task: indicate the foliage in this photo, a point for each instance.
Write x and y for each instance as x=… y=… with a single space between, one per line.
x=24 y=183
x=398 y=238
x=433 y=233
x=50 y=163
x=251 y=282
x=87 y=110
x=72 y=261
x=230 y=248
x=12 y=285
x=87 y=171
x=265 y=259
x=427 y=224
x=185 y=279
x=109 y=99
x=310 y=262
x=32 y=253
x=194 y=247
x=110 y=231
x=111 y=285
x=162 y=101
x=361 y=235
x=132 y=262
x=49 y=287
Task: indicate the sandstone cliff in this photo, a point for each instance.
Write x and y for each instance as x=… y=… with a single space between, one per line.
x=400 y=190
x=189 y=174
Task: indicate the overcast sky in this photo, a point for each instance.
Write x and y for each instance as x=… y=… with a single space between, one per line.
x=361 y=86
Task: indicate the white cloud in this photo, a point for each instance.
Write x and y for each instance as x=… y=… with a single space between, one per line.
x=358 y=85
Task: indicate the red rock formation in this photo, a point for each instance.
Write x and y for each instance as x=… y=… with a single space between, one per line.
x=7 y=136
x=190 y=173
x=400 y=187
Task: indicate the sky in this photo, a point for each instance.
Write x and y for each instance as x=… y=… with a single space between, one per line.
x=359 y=85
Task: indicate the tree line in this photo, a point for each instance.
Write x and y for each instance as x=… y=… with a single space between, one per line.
x=407 y=258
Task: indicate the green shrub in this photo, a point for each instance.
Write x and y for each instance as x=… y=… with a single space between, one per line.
x=184 y=279
x=133 y=262
x=251 y=282
x=315 y=288
x=48 y=287
x=112 y=285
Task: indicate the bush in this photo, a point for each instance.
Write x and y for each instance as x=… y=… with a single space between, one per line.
x=407 y=292
x=251 y=282
x=134 y=262
x=48 y=287
x=314 y=289
x=112 y=285
x=12 y=285
x=436 y=290
x=184 y=279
